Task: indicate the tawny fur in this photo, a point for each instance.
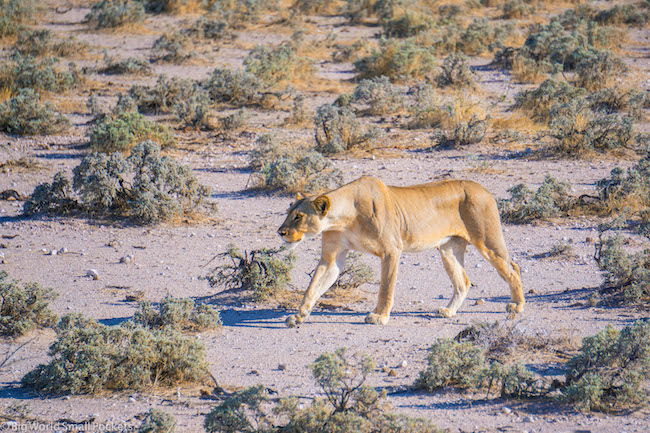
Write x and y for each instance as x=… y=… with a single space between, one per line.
x=367 y=215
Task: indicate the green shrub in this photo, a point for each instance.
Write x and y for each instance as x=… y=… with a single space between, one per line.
x=24 y=307
x=538 y=102
x=336 y=129
x=397 y=60
x=623 y=14
x=426 y=109
x=578 y=130
x=480 y=36
x=611 y=369
x=275 y=65
x=350 y=405
x=465 y=133
x=115 y=13
x=39 y=43
x=195 y=109
x=517 y=9
x=208 y=28
x=157 y=421
x=238 y=88
x=240 y=11
x=177 y=314
x=600 y=70
x=24 y=114
x=130 y=65
x=172 y=47
x=450 y=363
x=56 y=198
x=234 y=121
x=120 y=131
x=410 y=23
x=455 y=72
x=614 y=99
x=14 y=14
x=381 y=96
x=551 y=200
x=27 y=72
x=162 y=97
x=158 y=188
x=263 y=272
x=282 y=168
x=88 y=358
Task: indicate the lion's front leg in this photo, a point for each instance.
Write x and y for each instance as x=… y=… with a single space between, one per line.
x=327 y=271
x=389 y=266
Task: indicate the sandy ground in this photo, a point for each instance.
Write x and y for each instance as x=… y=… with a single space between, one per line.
x=254 y=346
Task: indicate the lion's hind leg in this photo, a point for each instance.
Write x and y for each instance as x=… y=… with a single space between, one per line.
x=453 y=258
x=509 y=271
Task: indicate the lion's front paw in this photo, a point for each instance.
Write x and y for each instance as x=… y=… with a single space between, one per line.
x=376 y=319
x=444 y=312
x=294 y=320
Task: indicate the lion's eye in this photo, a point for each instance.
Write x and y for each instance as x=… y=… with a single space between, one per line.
x=298 y=217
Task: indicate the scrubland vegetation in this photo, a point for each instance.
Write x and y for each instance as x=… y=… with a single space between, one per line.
x=572 y=92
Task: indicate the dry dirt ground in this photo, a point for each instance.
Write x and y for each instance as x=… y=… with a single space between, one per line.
x=254 y=346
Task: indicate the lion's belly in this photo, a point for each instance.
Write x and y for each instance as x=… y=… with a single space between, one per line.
x=419 y=245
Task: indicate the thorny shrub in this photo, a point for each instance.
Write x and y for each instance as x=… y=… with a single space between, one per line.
x=130 y=65
x=177 y=314
x=172 y=47
x=24 y=307
x=354 y=274
x=538 y=102
x=40 y=43
x=24 y=114
x=349 y=405
x=283 y=168
x=262 y=272
x=164 y=95
x=88 y=358
x=238 y=88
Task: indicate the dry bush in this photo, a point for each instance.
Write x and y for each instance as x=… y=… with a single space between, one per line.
x=276 y=65
x=38 y=43
x=380 y=95
x=38 y=75
x=157 y=421
x=538 y=102
x=398 y=60
x=262 y=272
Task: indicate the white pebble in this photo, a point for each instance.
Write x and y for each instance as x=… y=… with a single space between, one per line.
x=92 y=273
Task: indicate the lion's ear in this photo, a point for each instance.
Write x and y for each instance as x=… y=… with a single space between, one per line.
x=322 y=205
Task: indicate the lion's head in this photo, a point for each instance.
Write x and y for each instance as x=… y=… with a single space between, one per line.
x=304 y=218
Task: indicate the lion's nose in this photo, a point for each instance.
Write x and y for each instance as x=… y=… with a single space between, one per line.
x=282 y=231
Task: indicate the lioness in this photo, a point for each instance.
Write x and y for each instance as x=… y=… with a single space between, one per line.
x=367 y=215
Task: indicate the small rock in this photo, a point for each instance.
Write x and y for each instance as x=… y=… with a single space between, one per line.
x=404 y=364
x=63 y=250
x=532 y=291
x=282 y=367
x=127 y=259
x=53 y=253
x=392 y=373
x=132 y=399
x=479 y=302
x=506 y=410
x=92 y=273
x=528 y=419
x=589 y=240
